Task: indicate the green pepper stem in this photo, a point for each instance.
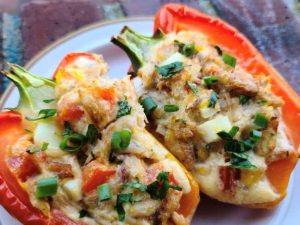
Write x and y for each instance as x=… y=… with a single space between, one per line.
x=33 y=89
x=136 y=45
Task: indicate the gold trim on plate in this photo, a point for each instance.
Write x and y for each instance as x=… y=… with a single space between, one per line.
x=63 y=39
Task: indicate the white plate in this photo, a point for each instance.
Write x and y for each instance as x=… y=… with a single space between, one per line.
x=96 y=38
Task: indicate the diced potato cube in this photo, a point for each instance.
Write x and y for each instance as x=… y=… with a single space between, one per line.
x=46 y=132
x=73 y=189
x=209 y=129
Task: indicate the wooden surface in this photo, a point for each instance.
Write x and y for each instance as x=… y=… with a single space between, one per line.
x=28 y=26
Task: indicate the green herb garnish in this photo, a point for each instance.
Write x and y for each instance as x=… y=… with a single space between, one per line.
x=213 y=99
x=236 y=149
x=48 y=100
x=33 y=149
x=159 y=188
x=73 y=142
x=244 y=99
x=193 y=87
x=136 y=185
x=169 y=70
x=148 y=104
x=92 y=134
x=171 y=108
x=260 y=120
x=187 y=50
x=104 y=192
x=229 y=60
x=120 y=140
x=210 y=80
x=43 y=114
x=83 y=213
x=121 y=199
x=124 y=108
x=46 y=187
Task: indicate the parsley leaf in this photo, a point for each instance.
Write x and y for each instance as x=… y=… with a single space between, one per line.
x=236 y=148
x=169 y=70
x=92 y=134
x=43 y=114
x=159 y=188
x=121 y=199
x=124 y=108
x=187 y=50
x=48 y=100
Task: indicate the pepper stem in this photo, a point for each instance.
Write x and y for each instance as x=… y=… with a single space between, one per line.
x=136 y=45
x=32 y=89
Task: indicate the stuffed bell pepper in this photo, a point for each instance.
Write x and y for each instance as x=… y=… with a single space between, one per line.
x=216 y=104
x=75 y=151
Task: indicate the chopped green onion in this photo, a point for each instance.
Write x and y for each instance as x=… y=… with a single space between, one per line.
x=136 y=185
x=255 y=135
x=233 y=131
x=169 y=70
x=213 y=99
x=229 y=60
x=148 y=104
x=244 y=99
x=121 y=199
x=92 y=134
x=124 y=108
x=120 y=140
x=171 y=108
x=46 y=187
x=193 y=87
x=210 y=80
x=261 y=121
x=48 y=100
x=248 y=144
x=104 y=192
x=83 y=213
x=43 y=114
x=187 y=50
x=72 y=142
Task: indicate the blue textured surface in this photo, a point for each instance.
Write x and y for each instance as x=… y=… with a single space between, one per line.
x=12 y=50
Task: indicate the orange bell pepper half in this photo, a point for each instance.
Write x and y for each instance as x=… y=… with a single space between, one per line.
x=13 y=197
x=176 y=17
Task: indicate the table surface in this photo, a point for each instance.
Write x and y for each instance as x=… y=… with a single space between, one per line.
x=28 y=26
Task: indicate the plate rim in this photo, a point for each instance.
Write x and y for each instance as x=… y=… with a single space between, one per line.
x=65 y=38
